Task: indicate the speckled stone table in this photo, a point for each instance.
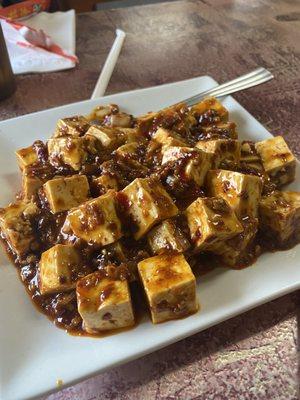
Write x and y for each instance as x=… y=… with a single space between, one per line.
x=255 y=355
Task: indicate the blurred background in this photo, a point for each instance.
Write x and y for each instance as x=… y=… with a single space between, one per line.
x=85 y=5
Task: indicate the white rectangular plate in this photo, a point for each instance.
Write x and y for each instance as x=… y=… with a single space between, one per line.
x=34 y=353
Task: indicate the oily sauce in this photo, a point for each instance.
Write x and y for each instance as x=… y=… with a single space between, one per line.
x=61 y=308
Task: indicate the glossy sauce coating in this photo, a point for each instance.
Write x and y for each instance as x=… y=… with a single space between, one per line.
x=61 y=308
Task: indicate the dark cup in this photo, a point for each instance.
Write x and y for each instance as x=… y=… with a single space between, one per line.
x=7 y=79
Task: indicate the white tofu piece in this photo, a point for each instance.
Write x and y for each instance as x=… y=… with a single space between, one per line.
x=104 y=183
x=30 y=184
x=66 y=192
x=241 y=191
x=92 y=146
x=278 y=160
x=107 y=137
x=166 y=138
x=174 y=118
x=128 y=153
x=73 y=126
x=96 y=221
x=59 y=269
x=170 y=286
x=16 y=227
x=251 y=160
x=120 y=119
x=167 y=236
x=211 y=221
x=26 y=156
x=147 y=204
x=225 y=153
x=145 y=121
x=239 y=251
x=104 y=304
x=67 y=150
x=251 y=163
x=219 y=130
x=100 y=112
x=194 y=162
x=211 y=104
x=131 y=135
x=249 y=152
x=279 y=218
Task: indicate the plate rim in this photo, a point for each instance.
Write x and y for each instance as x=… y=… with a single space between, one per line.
x=240 y=310
x=86 y=101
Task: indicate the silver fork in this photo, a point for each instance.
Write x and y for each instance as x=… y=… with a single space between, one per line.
x=256 y=77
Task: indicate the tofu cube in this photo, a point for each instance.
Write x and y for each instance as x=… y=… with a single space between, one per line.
x=73 y=126
x=131 y=157
x=16 y=227
x=67 y=150
x=279 y=218
x=59 y=269
x=278 y=160
x=217 y=112
x=239 y=251
x=131 y=135
x=170 y=286
x=219 y=130
x=250 y=159
x=104 y=304
x=147 y=203
x=211 y=221
x=104 y=183
x=107 y=137
x=100 y=112
x=96 y=221
x=249 y=152
x=26 y=157
x=166 y=137
x=241 y=191
x=129 y=154
x=144 y=122
x=250 y=163
x=66 y=192
x=193 y=163
x=30 y=185
x=225 y=153
x=120 y=119
x=167 y=236
x=174 y=118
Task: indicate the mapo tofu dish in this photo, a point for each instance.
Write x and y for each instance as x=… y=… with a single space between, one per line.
x=113 y=205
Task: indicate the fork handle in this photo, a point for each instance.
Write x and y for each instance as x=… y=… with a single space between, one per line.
x=253 y=78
